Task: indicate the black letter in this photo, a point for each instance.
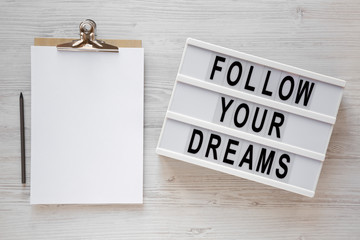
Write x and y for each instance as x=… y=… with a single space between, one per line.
x=267 y=163
x=190 y=148
x=229 y=150
x=275 y=124
x=258 y=129
x=264 y=91
x=224 y=107
x=246 y=159
x=283 y=165
x=247 y=86
x=301 y=91
x=246 y=107
x=287 y=78
x=233 y=83
x=215 y=66
x=213 y=146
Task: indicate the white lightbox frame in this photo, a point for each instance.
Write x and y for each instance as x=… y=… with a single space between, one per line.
x=171 y=115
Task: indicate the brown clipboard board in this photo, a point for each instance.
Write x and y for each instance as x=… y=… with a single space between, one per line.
x=57 y=41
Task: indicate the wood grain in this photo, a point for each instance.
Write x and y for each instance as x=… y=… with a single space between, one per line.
x=183 y=201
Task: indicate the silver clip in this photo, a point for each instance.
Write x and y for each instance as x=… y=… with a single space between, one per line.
x=87 y=41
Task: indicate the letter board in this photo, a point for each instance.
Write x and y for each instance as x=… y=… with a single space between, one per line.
x=250 y=117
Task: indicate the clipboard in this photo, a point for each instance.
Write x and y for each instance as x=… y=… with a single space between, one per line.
x=97 y=155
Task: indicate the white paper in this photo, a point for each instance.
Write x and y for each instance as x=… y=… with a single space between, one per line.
x=86 y=126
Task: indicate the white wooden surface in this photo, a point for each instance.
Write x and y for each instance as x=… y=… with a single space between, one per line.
x=183 y=201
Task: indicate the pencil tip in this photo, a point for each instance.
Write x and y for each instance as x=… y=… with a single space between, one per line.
x=21 y=94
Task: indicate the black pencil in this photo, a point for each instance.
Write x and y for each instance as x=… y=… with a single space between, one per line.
x=22 y=133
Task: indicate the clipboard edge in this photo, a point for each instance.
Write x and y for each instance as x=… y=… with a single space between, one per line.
x=116 y=42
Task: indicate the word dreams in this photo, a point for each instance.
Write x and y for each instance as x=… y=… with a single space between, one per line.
x=285 y=91
x=261 y=163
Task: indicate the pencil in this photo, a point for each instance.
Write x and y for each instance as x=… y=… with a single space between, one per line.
x=22 y=134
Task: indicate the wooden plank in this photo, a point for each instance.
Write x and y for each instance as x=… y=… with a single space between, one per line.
x=183 y=201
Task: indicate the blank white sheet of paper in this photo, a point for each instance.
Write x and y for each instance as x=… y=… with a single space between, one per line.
x=86 y=126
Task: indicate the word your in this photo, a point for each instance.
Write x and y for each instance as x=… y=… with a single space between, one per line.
x=286 y=88
x=241 y=117
x=263 y=163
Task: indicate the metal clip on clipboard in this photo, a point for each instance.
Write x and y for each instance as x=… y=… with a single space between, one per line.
x=87 y=41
